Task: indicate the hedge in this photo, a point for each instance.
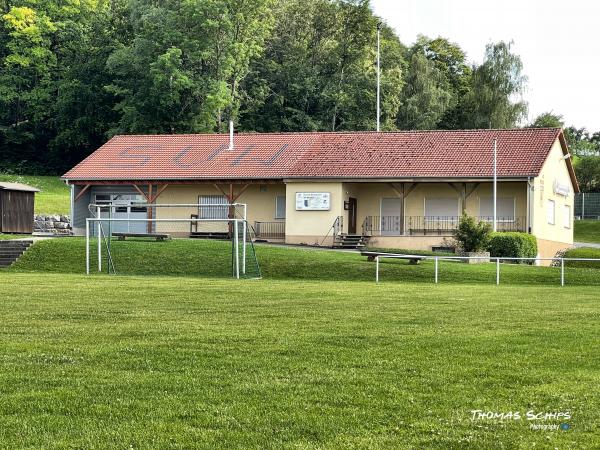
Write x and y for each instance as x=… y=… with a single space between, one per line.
x=513 y=244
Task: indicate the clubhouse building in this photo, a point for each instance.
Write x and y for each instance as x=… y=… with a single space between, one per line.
x=394 y=189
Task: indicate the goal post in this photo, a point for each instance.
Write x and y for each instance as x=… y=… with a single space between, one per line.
x=170 y=239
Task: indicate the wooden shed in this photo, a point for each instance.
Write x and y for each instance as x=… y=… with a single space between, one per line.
x=16 y=208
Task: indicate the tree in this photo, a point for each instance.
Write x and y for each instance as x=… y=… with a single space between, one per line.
x=450 y=62
x=587 y=170
x=471 y=235
x=183 y=69
x=318 y=70
x=548 y=120
x=496 y=85
x=427 y=95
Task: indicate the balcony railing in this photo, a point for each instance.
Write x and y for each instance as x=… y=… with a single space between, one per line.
x=430 y=225
x=269 y=230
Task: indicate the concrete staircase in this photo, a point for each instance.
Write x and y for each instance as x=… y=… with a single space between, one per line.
x=350 y=241
x=11 y=250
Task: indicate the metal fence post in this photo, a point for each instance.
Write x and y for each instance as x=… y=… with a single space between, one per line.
x=87 y=246
x=377 y=269
x=583 y=205
x=436 y=269
x=562 y=271
x=497 y=271
x=99 y=233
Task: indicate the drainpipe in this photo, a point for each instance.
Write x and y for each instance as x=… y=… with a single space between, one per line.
x=528 y=210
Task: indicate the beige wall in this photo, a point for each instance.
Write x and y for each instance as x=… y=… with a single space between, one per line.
x=310 y=227
x=260 y=200
x=369 y=197
x=554 y=169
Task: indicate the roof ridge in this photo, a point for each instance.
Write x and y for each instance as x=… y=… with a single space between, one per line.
x=345 y=132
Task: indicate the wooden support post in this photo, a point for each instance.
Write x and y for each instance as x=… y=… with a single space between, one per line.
x=150 y=200
x=83 y=191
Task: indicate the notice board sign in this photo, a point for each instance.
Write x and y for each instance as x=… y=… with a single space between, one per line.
x=313 y=201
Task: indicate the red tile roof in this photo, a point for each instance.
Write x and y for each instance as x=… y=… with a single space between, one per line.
x=354 y=155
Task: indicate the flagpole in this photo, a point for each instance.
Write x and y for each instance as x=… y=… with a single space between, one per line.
x=378 y=77
x=495 y=227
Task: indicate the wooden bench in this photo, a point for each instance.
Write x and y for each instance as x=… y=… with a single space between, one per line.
x=157 y=236
x=412 y=259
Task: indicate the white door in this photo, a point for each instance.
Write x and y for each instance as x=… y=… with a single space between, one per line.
x=391 y=214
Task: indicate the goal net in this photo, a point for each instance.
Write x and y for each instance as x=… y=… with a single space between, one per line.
x=170 y=239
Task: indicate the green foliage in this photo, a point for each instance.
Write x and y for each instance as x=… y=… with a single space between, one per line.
x=583 y=252
x=587 y=170
x=437 y=80
x=548 y=120
x=582 y=143
x=74 y=73
x=513 y=244
x=318 y=71
x=471 y=235
x=427 y=95
x=494 y=84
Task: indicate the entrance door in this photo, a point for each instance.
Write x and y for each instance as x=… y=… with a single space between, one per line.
x=351 y=215
x=391 y=215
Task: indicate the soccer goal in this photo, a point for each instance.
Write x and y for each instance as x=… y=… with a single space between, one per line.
x=170 y=239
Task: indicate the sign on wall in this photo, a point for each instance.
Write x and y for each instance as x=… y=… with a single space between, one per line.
x=561 y=189
x=313 y=201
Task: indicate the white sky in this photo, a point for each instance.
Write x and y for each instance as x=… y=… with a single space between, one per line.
x=558 y=42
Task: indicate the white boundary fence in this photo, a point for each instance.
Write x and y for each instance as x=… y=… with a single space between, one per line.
x=239 y=266
x=436 y=260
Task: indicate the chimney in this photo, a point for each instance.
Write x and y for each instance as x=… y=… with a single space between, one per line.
x=230 y=135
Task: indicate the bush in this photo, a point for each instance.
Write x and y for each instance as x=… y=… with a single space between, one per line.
x=472 y=236
x=513 y=244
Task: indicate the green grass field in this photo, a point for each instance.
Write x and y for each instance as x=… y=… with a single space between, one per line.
x=186 y=362
x=587 y=231
x=54 y=197
x=199 y=258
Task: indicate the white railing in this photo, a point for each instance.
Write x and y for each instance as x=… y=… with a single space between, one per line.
x=436 y=260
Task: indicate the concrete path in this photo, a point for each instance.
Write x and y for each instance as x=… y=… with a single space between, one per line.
x=587 y=244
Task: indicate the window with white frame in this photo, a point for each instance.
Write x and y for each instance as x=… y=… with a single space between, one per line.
x=213 y=212
x=551 y=212
x=505 y=208
x=567 y=216
x=280 y=207
x=441 y=207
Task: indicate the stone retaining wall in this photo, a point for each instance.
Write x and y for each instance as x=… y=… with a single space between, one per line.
x=55 y=224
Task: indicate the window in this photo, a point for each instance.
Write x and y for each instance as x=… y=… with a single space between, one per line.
x=550 y=212
x=213 y=212
x=280 y=207
x=567 y=216
x=505 y=208
x=441 y=207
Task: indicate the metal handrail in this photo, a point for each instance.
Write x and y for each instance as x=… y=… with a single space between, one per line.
x=424 y=225
x=337 y=227
x=487 y=258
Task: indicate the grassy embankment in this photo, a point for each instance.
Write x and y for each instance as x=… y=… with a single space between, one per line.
x=213 y=259
x=54 y=197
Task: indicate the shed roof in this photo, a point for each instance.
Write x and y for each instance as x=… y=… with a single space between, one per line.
x=350 y=155
x=6 y=186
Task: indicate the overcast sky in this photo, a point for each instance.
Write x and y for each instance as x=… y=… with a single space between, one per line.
x=558 y=41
